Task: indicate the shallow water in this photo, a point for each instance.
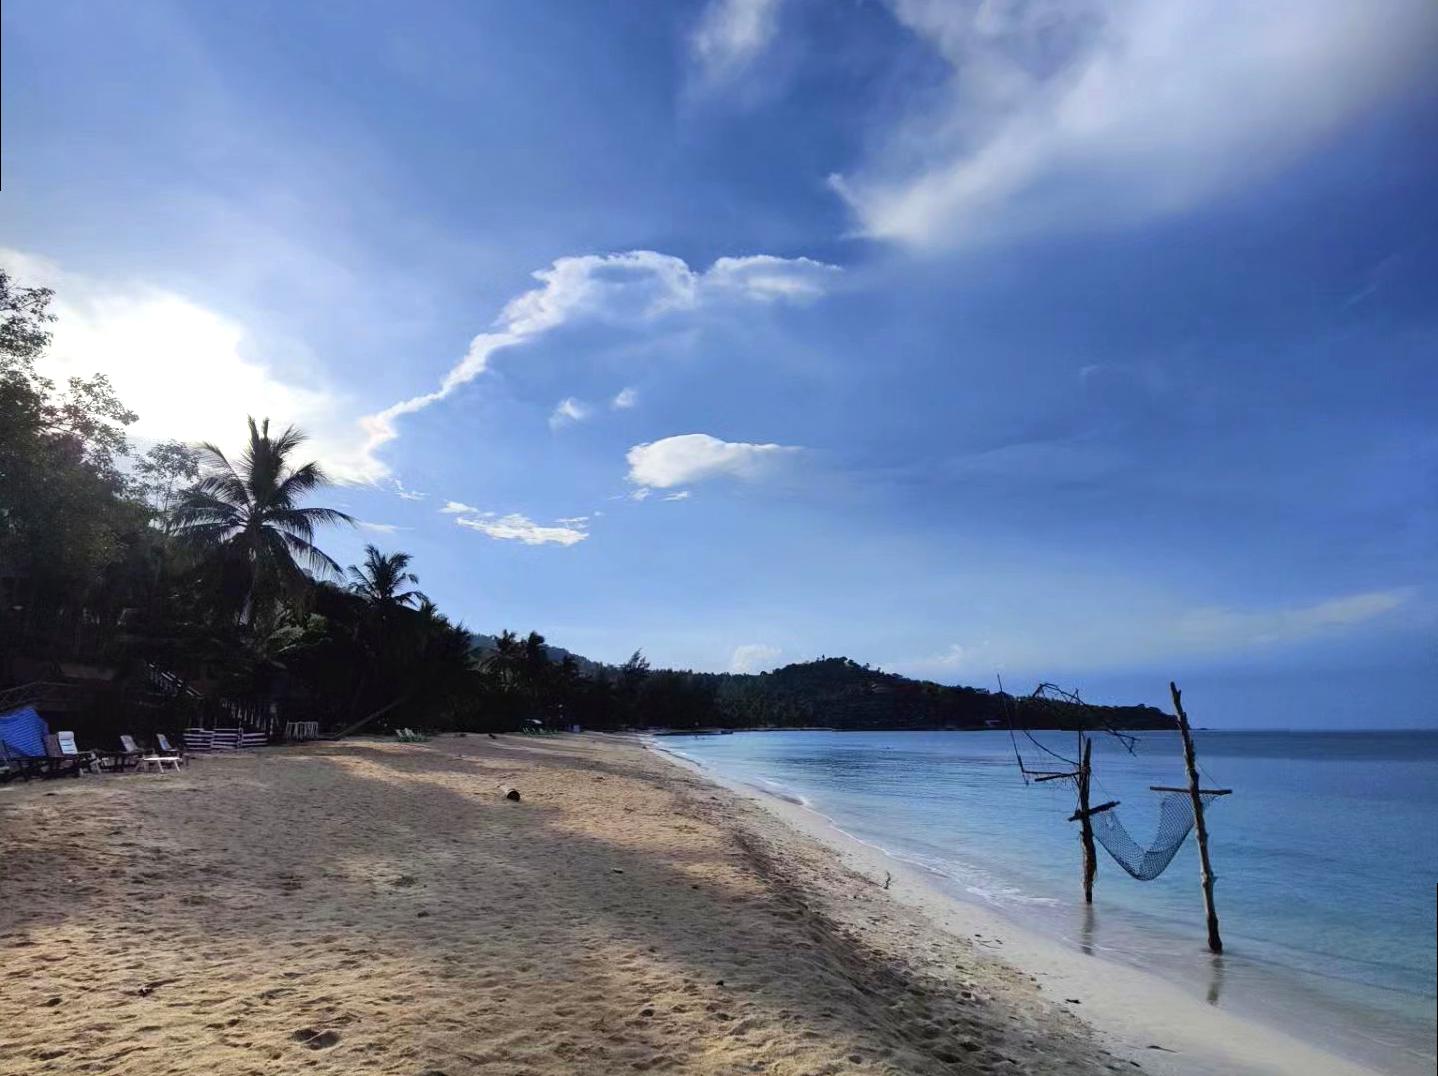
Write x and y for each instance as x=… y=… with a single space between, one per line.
x=1326 y=857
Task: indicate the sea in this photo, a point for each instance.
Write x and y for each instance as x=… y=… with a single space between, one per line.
x=1326 y=856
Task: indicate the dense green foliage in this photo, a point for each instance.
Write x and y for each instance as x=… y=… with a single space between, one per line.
x=199 y=582
x=839 y=693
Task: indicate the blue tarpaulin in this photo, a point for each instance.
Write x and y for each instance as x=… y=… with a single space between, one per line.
x=23 y=732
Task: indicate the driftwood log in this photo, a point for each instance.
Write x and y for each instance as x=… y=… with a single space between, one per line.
x=1200 y=826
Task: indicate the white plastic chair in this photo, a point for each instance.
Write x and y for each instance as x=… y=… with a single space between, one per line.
x=70 y=749
x=168 y=752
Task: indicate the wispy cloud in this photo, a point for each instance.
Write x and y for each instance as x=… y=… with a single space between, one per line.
x=634 y=288
x=381 y=528
x=695 y=457
x=1071 y=116
x=1275 y=627
x=407 y=494
x=1134 y=634
x=459 y=508
x=681 y=495
x=519 y=528
x=624 y=399
x=567 y=412
x=753 y=657
x=730 y=35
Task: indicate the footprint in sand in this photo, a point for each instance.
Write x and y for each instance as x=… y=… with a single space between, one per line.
x=311 y=1039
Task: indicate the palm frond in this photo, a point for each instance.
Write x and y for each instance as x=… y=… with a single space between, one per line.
x=298 y=483
x=197 y=506
x=318 y=561
x=226 y=487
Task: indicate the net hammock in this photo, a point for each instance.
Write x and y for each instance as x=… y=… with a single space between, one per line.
x=1175 y=819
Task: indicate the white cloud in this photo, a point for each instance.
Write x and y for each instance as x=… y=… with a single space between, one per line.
x=694 y=457
x=957 y=659
x=641 y=494
x=407 y=494
x=518 y=528
x=633 y=288
x=568 y=411
x=682 y=495
x=765 y=278
x=191 y=373
x=731 y=34
x=753 y=657
x=624 y=399
x=1096 y=113
x=381 y=528
x=459 y=508
x=573 y=521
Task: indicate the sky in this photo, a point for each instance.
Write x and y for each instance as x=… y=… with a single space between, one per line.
x=1091 y=342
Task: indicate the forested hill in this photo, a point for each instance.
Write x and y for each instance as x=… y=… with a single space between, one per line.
x=840 y=693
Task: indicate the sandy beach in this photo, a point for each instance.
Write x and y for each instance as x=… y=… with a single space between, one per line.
x=379 y=907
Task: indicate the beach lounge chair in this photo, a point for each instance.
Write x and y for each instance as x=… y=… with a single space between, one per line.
x=12 y=767
x=25 y=767
x=62 y=749
x=158 y=762
x=162 y=747
x=140 y=760
x=128 y=757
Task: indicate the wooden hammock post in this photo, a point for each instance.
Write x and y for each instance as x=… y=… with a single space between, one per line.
x=1215 y=943
x=1090 y=857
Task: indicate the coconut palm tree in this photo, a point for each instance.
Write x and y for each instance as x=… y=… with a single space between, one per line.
x=250 y=516
x=382 y=579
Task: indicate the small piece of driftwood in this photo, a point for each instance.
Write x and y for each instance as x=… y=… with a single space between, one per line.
x=1100 y=809
x=509 y=793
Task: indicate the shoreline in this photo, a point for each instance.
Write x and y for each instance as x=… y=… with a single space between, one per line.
x=1139 y=1015
x=378 y=907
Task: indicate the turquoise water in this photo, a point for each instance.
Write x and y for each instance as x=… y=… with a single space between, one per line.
x=1326 y=856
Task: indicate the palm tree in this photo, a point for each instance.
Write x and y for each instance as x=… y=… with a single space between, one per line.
x=429 y=612
x=504 y=663
x=251 y=515
x=382 y=579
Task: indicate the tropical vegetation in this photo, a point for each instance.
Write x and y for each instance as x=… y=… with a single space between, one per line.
x=179 y=584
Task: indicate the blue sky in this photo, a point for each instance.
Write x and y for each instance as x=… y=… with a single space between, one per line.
x=1087 y=341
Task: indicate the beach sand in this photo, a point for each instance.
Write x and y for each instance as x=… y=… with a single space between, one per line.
x=371 y=907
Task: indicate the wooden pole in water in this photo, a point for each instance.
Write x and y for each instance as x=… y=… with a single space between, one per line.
x=1090 y=857
x=1215 y=943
